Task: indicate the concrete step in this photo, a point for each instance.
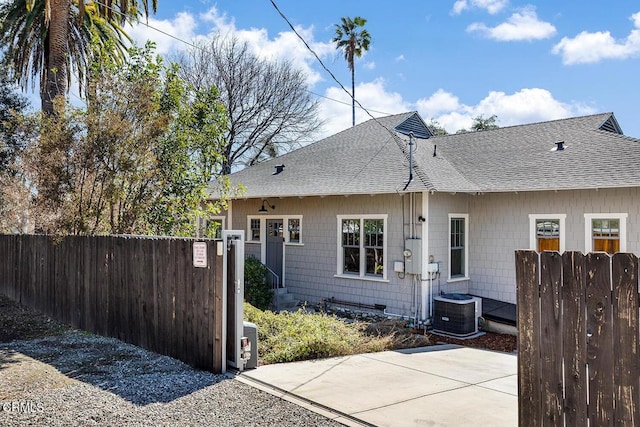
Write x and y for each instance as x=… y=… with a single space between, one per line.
x=285 y=301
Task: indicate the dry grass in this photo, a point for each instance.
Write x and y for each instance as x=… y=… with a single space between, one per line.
x=287 y=337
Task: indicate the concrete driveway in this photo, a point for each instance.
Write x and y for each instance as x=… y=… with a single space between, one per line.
x=443 y=385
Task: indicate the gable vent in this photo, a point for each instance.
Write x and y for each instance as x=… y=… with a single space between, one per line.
x=611 y=125
x=414 y=124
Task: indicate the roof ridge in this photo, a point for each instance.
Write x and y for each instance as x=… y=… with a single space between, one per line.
x=530 y=124
x=416 y=168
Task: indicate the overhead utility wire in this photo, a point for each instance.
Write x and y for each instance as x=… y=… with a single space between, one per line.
x=325 y=67
x=394 y=136
x=146 y=24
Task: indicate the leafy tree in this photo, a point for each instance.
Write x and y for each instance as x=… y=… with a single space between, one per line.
x=138 y=160
x=190 y=157
x=12 y=105
x=482 y=123
x=51 y=38
x=353 y=39
x=436 y=128
x=268 y=107
x=14 y=193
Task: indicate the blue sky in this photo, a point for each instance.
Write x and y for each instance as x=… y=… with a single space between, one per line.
x=449 y=60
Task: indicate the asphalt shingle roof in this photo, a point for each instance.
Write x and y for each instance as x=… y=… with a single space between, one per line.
x=523 y=157
x=373 y=158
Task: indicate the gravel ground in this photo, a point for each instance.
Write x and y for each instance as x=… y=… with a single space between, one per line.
x=71 y=378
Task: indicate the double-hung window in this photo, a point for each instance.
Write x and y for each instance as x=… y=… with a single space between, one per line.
x=606 y=232
x=293 y=227
x=362 y=246
x=254 y=229
x=458 y=246
x=546 y=232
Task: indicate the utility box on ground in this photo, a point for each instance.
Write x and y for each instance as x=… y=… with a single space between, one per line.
x=250 y=331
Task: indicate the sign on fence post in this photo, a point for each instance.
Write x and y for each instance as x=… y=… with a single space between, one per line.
x=200 y=254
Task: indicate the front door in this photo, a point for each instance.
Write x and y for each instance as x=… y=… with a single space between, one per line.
x=275 y=247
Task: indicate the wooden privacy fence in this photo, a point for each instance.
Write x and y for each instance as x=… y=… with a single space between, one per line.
x=144 y=291
x=578 y=339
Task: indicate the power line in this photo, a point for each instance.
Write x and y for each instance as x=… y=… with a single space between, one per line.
x=195 y=46
x=320 y=61
x=394 y=136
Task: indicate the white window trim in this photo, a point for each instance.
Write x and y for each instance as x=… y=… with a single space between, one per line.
x=588 y=236
x=263 y=228
x=286 y=227
x=340 y=253
x=533 y=236
x=466 y=248
x=222 y=220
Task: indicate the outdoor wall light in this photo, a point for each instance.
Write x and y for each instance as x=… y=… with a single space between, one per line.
x=263 y=209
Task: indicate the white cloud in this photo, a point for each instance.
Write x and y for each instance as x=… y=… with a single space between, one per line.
x=523 y=25
x=525 y=106
x=399 y=58
x=459 y=6
x=182 y=26
x=286 y=46
x=439 y=102
x=372 y=95
x=588 y=47
x=491 y=6
x=528 y=105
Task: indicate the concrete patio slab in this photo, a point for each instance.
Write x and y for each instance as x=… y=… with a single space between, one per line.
x=437 y=386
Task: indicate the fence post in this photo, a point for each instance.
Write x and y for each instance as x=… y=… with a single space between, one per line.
x=551 y=393
x=625 y=339
x=529 y=404
x=574 y=349
x=599 y=339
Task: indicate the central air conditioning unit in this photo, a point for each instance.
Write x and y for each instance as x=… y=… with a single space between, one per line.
x=456 y=314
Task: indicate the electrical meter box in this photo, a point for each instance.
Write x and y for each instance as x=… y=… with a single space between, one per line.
x=413 y=256
x=250 y=346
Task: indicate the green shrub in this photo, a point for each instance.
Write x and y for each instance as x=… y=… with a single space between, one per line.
x=288 y=337
x=257 y=290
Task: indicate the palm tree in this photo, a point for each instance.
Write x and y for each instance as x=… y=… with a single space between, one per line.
x=353 y=39
x=51 y=38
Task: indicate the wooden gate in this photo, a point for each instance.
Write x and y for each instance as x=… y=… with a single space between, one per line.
x=578 y=339
x=145 y=291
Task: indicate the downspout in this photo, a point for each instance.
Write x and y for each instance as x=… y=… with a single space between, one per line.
x=427 y=284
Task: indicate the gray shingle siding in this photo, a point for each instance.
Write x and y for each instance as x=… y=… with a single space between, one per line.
x=497 y=177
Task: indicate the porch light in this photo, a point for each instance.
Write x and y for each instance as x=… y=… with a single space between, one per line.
x=263 y=209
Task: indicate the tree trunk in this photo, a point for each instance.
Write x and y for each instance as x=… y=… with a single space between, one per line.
x=353 y=95
x=56 y=72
